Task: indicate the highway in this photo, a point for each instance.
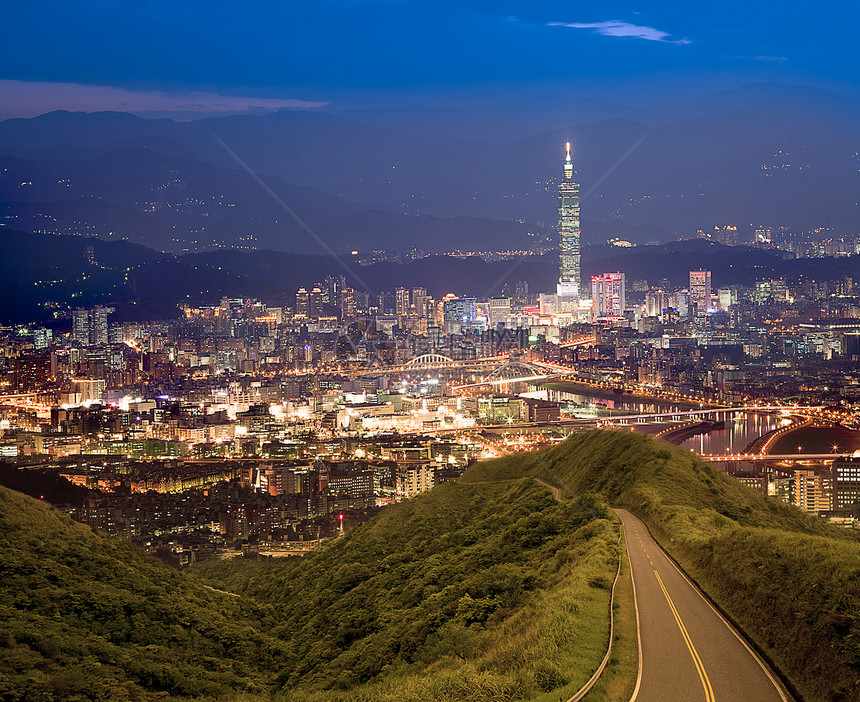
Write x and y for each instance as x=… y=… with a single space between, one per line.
x=773 y=457
x=688 y=651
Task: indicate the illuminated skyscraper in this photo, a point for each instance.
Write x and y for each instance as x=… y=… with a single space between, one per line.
x=81 y=326
x=608 y=295
x=90 y=327
x=302 y=303
x=99 y=325
x=700 y=290
x=401 y=302
x=568 y=236
x=315 y=303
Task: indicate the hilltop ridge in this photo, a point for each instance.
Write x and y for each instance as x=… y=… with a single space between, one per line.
x=468 y=592
x=790 y=581
x=464 y=592
x=485 y=588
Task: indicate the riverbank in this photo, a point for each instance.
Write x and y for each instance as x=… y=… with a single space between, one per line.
x=578 y=388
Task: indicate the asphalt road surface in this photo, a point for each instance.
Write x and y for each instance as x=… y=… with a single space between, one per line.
x=688 y=652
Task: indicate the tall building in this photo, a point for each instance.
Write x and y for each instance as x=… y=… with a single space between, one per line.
x=315 y=303
x=419 y=295
x=460 y=314
x=846 y=482
x=347 y=304
x=90 y=327
x=700 y=290
x=81 y=326
x=568 y=236
x=498 y=310
x=656 y=301
x=608 y=295
x=401 y=302
x=99 y=325
x=813 y=489
x=521 y=290
x=763 y=237
x=331 y=289
x=386 y=303
x=726 y=235
x=42 y=338
x=727 y=297
x=302 y=303
x=779 y=290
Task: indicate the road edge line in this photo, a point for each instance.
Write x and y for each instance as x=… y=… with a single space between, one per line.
x=585 y=689
x=636 y=609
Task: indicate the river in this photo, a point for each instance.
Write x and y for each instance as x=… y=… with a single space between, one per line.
x=739 y=431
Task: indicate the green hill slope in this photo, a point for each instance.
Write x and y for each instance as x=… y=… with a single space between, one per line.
x=487 y=591
x=482 y=591
x=790 y=581
x=86 y=617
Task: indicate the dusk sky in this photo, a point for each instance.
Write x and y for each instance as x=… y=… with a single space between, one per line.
x=351 y=52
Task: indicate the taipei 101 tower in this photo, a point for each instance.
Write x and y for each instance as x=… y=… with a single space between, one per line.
x=568 y=235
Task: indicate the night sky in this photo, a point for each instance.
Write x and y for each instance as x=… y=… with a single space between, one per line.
x=351 y=52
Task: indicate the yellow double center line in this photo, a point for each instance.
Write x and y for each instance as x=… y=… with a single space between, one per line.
x=700 y=668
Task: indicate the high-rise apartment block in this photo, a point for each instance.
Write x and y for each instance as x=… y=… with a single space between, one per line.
x=460 y=314
x=315 y=303
x=498 y=310
x=608 y=295
x=90 y=327
x=656 y=301
x=348 y=308
x=302 y=303
x=813 y=489
x=419 y=296
x=846 y=482
x=401 y=302
x=700 y=290
x=81 y=326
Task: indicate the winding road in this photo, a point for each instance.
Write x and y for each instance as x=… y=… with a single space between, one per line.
x=688 y=652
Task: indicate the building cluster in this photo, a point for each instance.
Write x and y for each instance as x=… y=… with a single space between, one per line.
x=828 y=488
x=248 y=421
x=194 y=504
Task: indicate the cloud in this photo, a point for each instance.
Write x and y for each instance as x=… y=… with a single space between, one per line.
x=617 y=28
x=29 y=98
x=772 y=59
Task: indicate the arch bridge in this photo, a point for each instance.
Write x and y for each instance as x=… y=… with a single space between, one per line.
x=429 y=361
x=513 y=370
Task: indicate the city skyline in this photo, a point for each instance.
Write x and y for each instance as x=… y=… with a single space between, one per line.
x=231 y=430
x=324 y=375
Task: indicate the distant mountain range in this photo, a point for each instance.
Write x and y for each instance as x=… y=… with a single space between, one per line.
x=437 y=179
x=43 y=276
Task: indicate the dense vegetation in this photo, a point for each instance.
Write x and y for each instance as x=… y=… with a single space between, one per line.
x=86 y=617
x=483 y=591
x=792 y=582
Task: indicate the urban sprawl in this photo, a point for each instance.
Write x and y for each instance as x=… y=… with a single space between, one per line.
x=242 y=426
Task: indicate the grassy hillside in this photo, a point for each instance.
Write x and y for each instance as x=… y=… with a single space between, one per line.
x=792 y=582
x=486 y=591
x=85 y=617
